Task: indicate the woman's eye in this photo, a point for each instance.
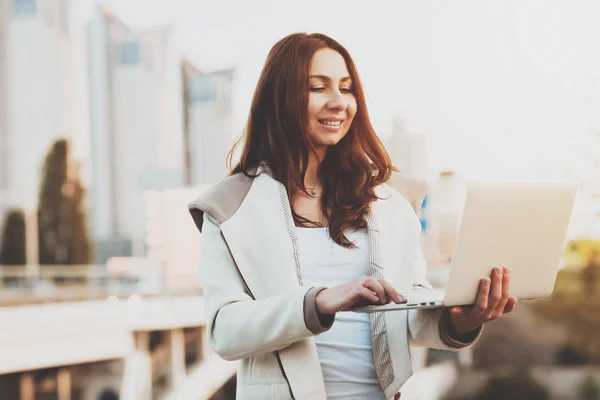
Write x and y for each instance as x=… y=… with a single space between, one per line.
x=344 y=90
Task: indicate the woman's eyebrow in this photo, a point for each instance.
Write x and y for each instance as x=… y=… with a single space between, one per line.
x=326 y=78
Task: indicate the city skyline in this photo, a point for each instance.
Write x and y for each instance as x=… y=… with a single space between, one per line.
x=38 y=97
x=524 y=90
x=526 y=157
x=154 y=120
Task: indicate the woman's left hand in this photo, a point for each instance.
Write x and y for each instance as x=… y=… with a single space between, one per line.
x=493 y=300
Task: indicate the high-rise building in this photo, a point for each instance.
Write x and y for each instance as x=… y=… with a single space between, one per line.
x=136 y=127
x=36 y=93
x=208 y=123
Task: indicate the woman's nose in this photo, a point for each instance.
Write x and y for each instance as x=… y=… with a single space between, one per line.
x=337 y=101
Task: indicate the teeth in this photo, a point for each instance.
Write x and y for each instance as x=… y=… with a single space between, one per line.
x=331 y=123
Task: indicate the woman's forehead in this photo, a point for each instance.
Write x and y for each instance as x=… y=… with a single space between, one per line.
x=328 y=63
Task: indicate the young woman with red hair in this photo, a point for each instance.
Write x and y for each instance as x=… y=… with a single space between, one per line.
x=306 y=228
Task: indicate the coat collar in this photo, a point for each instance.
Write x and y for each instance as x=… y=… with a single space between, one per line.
x=261 y=237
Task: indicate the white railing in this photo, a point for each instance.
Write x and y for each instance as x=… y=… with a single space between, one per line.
x=56 y=283
x=51 y=334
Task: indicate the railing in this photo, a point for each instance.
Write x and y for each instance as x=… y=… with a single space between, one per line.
x=120 y=278
x=54 y=283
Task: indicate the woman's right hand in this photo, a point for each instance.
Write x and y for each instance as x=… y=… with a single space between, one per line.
x=360 y=291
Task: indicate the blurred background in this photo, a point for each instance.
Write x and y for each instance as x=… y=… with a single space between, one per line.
x=114 y=115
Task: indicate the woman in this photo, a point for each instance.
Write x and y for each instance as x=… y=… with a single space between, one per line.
x=305 y=228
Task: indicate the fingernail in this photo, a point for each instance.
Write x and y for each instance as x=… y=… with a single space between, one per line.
x=507 y=271
x=486 y=282
x=498 y=271
x=402 y=299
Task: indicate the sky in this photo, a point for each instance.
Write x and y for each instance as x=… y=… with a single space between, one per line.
x=501 y=90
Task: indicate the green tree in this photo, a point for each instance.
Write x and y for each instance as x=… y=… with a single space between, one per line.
x=13 y=251
x=62 y=221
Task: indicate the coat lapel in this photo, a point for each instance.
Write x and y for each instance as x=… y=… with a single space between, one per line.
x=377 y=228
x=386 y=247
x=260 y=242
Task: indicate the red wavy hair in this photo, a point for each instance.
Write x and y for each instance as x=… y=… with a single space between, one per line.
x=276 y=133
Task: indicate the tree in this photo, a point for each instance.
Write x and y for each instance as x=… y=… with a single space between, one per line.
x=13 y=251
x=62 y=222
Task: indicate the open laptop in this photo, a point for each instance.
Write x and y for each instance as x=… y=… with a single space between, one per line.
x=522 y=226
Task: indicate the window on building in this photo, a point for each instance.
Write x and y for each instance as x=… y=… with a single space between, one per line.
x=25 y=7
x=63 y=17
x=202 y=89
x=48 y=12
x=130 y=53
x=3 y=161
x=146 y=57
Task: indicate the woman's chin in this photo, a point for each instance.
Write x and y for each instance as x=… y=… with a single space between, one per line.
x=330 y=139
x=328 y=143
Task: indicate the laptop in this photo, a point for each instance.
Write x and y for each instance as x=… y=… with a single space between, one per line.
x=522 y=226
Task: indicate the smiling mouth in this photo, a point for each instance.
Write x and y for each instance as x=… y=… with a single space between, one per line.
x=330 y=123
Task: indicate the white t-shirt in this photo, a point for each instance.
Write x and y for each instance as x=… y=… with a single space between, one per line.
x=345 y=350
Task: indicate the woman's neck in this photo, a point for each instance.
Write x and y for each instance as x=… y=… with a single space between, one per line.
x=312 y=178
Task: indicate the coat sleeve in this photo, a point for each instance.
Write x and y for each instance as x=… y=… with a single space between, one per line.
x=432 y=328
x=239 y=326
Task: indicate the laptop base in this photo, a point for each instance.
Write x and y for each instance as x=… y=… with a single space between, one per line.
x=411 y=305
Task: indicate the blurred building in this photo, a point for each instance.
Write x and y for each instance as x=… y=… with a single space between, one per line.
x=585 y=221
x=136 y=112
x=3 y=107
x=446 y=200
x=208 y=117
x=36 y=94
x=166 y=212
x=409 y=154
x=407 y=151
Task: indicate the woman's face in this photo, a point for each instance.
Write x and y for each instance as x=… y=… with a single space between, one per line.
x=331 y=104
